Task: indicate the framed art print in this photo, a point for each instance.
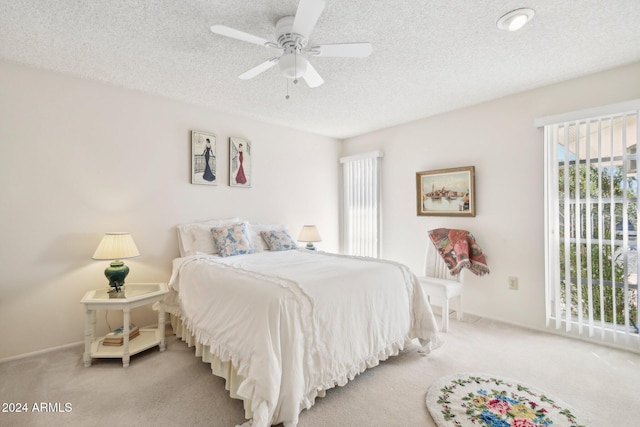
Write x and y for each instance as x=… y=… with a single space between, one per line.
x=203 y=158
x=240 y=160
x=446 y=192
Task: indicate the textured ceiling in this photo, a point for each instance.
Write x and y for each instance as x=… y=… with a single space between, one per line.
x=428 y=56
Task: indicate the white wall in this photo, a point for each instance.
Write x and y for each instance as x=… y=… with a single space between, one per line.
x=78 y=158
x=500 y=140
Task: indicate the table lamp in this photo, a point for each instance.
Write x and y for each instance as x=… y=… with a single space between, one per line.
x=309 y=234
x=116 y=246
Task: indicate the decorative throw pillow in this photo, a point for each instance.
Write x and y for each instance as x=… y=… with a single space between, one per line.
x=255 y=232
x=278 y=240
x=232 y=239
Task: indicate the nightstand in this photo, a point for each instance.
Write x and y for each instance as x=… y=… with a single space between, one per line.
x=136 y=295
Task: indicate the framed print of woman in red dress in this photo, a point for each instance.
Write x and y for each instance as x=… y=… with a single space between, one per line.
x=239 y=162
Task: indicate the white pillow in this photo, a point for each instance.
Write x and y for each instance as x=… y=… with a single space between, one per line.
x=195 y=238
x=259 y=244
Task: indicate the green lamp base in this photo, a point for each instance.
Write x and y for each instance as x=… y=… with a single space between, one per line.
x=310 y=247
x=116 y=273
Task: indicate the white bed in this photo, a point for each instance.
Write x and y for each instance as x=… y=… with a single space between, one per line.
x=284 y=326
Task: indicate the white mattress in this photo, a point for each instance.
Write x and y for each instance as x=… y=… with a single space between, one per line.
x=296 y=323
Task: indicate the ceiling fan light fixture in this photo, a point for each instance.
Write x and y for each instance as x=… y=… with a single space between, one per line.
x=293 y=66
x=292 y=35
x=516 y=19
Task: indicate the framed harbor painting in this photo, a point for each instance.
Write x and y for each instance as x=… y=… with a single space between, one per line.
x=203 y=158
x=240 y=161
x=446 y=192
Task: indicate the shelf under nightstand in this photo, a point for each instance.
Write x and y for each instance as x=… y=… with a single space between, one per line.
x=136 y=295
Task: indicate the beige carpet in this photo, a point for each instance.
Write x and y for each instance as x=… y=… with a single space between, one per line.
x=176 y=388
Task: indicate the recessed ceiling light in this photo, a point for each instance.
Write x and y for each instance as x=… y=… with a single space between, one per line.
x=515 y=19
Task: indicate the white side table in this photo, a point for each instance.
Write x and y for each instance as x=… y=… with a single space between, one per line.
x=136 y=295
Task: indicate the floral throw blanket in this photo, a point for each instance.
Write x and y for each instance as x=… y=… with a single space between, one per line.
x=459 y=249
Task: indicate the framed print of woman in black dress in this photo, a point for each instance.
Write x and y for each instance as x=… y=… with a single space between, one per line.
x=203 y=158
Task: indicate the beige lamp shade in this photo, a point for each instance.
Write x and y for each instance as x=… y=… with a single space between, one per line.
x=309 y=233
x=116 y=246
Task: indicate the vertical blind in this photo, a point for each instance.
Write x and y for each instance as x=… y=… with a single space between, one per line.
x=591 y=186
x=361 y=204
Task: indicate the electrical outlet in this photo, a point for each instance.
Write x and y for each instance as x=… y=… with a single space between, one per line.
x=513 y=283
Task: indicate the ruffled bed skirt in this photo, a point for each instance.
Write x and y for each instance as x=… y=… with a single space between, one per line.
x=218 y=367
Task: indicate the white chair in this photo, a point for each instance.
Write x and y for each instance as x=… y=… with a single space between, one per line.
x=438 y=283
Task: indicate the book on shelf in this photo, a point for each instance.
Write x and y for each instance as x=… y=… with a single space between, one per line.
x=116 y=337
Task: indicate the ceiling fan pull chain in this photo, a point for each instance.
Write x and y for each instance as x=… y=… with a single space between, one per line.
x=295 y=66
x=287 y=97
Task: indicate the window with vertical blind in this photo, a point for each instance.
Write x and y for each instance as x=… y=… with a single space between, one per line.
x=591 y=186
x=361 y=204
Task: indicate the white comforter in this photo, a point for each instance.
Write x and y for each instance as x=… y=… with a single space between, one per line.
x=296 y=323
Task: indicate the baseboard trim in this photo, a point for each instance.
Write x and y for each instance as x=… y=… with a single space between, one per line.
x=559 y=332
x=40 y=352
x=61 y=347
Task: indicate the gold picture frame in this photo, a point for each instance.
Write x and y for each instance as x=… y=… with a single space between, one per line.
x=446 y=192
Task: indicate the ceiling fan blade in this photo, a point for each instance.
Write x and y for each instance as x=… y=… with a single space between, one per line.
x=223 y=30
x=306 y=16
x=312 y=77
x=347 y=50
x=259 y=69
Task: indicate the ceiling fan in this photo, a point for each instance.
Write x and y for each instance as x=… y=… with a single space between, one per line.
x=292 y=35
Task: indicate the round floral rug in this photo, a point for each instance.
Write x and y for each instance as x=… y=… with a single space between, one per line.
x=487 y=400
